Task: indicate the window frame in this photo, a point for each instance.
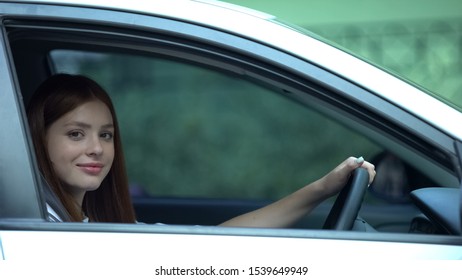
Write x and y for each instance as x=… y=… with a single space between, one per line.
x=21 y=195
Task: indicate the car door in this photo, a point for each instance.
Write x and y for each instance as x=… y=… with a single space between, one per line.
x=266 y=79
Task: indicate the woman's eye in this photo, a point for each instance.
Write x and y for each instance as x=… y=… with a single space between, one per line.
x=107 y=135
x=75 y=135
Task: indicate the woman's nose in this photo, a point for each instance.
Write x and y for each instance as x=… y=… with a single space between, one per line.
x=94 y=146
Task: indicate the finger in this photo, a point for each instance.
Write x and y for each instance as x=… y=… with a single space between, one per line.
x=370 y=169
x=360 y=162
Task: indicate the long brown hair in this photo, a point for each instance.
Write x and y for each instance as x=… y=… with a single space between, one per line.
x=55 y=97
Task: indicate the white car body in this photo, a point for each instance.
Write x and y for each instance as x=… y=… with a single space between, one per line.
x=136 y=251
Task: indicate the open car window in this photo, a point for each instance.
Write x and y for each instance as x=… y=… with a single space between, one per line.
x=226 y=127
x=190 y=131
x=193 y=134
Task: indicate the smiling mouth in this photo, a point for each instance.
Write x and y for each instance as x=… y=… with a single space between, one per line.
x=92 y=169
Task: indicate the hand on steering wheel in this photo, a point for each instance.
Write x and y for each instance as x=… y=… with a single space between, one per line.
x=348 y=202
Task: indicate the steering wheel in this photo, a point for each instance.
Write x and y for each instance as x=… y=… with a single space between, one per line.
x=346 y=207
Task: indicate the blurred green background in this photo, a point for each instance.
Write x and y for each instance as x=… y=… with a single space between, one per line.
x=419 y=39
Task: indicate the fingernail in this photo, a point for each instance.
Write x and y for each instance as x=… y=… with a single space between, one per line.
x=359 y=160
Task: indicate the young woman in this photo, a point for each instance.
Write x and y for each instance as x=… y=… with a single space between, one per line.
x=77 y=143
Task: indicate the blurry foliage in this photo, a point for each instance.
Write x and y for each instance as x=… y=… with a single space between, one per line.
x=189 y=131
x=427 y=52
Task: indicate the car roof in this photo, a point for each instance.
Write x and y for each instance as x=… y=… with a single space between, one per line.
x=249 y=23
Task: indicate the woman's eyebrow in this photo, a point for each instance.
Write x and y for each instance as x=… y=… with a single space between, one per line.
x=86 y=125
x=107 y=126
x=79 y=124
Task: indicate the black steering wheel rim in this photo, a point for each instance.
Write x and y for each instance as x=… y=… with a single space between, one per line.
x=348 y=202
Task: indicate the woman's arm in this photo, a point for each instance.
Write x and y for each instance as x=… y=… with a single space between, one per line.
x=288 y=210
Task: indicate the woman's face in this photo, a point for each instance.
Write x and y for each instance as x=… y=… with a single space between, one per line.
x=81 y=147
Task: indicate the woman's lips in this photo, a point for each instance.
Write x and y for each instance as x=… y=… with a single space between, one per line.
x=91 y=168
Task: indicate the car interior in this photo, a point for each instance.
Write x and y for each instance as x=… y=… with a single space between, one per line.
x=404 y=197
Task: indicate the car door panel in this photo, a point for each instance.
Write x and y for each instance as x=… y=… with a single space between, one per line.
x=353 y=117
